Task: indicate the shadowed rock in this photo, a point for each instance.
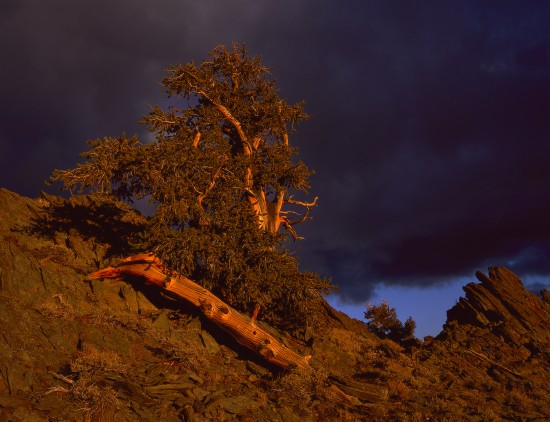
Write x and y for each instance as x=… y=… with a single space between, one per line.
x=501 y=304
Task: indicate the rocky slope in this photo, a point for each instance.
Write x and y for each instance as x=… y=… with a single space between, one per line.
x=76 y=349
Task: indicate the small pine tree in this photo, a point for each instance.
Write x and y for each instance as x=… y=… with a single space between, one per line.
x=220 y=173
x=383 y=321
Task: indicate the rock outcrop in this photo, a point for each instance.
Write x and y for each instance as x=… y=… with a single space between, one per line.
x=496 y=343
x=78 y=349
x=501 y=308
x=72 y=348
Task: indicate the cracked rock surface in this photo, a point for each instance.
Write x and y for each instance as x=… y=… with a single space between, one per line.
x=73 y=349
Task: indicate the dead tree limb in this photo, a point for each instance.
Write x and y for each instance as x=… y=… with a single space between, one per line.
x=241 y=328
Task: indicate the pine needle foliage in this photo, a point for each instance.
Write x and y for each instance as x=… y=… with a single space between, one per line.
x=382 y=320
x=218 y=173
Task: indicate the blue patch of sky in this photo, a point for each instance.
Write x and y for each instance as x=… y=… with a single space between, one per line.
x=426 y=305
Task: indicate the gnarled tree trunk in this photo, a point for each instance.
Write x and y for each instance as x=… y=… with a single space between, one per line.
x=241 y=328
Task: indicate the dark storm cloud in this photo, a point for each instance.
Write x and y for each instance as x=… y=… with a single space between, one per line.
x=72 y=71
x=430 y=130
x=439 y=154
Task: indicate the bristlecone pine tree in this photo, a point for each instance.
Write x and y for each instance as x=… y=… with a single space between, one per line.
x=382 y=320
x=220 y=174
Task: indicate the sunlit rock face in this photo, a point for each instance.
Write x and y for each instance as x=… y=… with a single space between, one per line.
x=501 y=306
x=78 y=349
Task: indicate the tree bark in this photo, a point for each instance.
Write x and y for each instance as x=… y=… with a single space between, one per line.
x=241 y=328
x=269 y=213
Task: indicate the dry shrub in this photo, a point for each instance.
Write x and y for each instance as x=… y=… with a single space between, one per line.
x=57 y=307
x=92 y=360
x=98 y=402
x=261 y=397
x=391 y=346
x=310 y=394
x=396 y=367
x=345 y=340
x=181 y=352
x=104 y=316
x=398 y=389
x=517 y=400
x=303 y=384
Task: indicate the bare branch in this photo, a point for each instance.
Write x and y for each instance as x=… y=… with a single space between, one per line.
x=285 y=221
x=303 y=204
x=287 y=225
x=305 y=217
x=285 y=133
x=236 y=124
x=289 y=212
x=285 y=137
x=255 y=314
x=61 y=377
x=196 y=139
x=256 y=141
x=212 y=183
x=161 y=120
x=250 y=193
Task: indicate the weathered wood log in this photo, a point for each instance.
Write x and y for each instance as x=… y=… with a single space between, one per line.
x=241 y=328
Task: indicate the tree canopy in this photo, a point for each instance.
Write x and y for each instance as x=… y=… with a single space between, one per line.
x=382 y=320
x=221 y=175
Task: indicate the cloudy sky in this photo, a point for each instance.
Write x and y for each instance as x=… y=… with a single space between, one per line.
x=430 y=134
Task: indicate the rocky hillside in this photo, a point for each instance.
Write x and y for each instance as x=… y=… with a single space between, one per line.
x=79 y=349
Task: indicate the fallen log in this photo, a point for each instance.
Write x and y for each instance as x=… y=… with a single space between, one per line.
x=241 y=328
